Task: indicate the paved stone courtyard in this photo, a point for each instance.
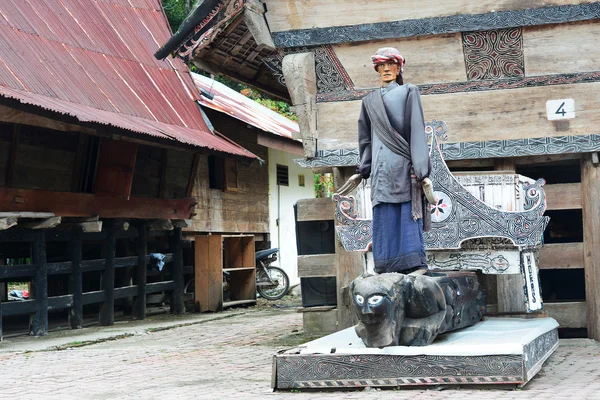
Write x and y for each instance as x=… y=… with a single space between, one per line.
x=227 y=356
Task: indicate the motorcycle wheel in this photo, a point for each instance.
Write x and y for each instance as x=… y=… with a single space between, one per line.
x=278 y=289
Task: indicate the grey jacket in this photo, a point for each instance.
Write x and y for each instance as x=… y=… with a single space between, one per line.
x=390 y=172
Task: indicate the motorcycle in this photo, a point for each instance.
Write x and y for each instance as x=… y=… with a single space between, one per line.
x=272 y=283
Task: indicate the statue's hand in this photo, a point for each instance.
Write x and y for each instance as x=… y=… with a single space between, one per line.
x=427 y=186
x=351 y=184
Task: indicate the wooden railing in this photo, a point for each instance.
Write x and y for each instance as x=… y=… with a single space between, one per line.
x=39 y=270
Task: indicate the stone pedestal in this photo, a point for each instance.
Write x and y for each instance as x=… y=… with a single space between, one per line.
x=495 y=351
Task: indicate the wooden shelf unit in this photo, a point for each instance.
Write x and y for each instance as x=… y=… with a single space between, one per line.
x=215 y=254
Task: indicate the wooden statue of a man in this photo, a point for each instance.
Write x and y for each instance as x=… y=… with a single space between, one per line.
x=394 y=154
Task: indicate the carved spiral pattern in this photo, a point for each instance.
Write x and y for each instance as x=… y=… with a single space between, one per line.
x=494 y=54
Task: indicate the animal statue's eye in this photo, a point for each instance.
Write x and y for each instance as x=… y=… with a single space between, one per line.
x=374 y=300
x=359 y=299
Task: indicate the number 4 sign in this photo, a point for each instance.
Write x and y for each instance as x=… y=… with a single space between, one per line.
x=560 y=109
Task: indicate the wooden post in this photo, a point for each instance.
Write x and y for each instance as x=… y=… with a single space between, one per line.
x=177 y=305
x=349 y=265
x=76 y=312
x=38 y=325
x=509 y=287
x=107 y=309
x=590 y=186
x=1 y=337
x=139 y=305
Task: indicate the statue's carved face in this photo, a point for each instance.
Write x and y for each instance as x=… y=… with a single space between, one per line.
x=388 y=71
x=374 y=299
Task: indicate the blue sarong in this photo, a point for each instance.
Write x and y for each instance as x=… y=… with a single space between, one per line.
x=397 y=238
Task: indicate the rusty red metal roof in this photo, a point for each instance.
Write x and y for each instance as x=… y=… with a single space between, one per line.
x=93 y=60
x=241 y=107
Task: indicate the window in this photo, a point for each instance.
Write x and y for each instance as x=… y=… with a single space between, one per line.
x=282 y=175
x=301 y=180
x=223 y=174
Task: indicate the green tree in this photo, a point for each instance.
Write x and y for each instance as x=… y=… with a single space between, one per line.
x=177 y=11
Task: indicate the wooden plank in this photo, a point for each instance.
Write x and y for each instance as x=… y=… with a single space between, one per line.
x=561 y=256
x=116 y=164
x=17 y=271
x=550 y=49
x=316 y=265
x=139 y=304
x=248 y=252
x=301 y=81
x=78 y=163
x=232 y=254
x=107 y=308
x=282 y=144
x=242 y=284
x=349 y=265
x=12 y=158
x=93 y=297
x=76 y=280
x=590 y=184
x=177 y=304
x=568 y=314
x=284 y=15
x=38 y=325
x=208 y=275
x=19 y=307
x=60 y=302
x=68 y=204
x=447 y=66
x=315 y=209
x=563 y=196
x=42 y=224
x=477 y=116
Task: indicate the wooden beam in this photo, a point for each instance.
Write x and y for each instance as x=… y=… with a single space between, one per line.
x=301 y=81
x=6 y=223
x=569 y=314
x=315 y=209
x=12 y=115
x=316 y=265
x=107 y=309
x=90 y=226
x=590 y=186
x=254 y=18
x=561 y=256
x=177 y=304
x=161 y=225
x=563 y=196
x=42 y=224
x=278 y=143
x=26 y=214
x=349 y=265
x=38 y=325
x=68 y=204
x=139 y=305
x=76 y=280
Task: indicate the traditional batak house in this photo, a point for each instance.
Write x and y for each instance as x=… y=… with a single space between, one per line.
x=515 y=83
x=102 y=147
x=268 y=135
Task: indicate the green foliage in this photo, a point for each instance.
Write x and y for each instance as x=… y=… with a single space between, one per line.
x=323 y=185
x=177 y=11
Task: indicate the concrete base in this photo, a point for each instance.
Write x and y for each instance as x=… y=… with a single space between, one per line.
x=494 y=351
x=319 y=320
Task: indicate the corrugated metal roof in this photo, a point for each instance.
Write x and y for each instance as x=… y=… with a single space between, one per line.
x=93 y=60
x=241 y=107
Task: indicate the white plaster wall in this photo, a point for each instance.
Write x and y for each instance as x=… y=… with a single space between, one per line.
x=281 y=203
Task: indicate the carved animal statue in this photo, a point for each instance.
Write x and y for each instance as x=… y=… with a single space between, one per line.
x=411 y=310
